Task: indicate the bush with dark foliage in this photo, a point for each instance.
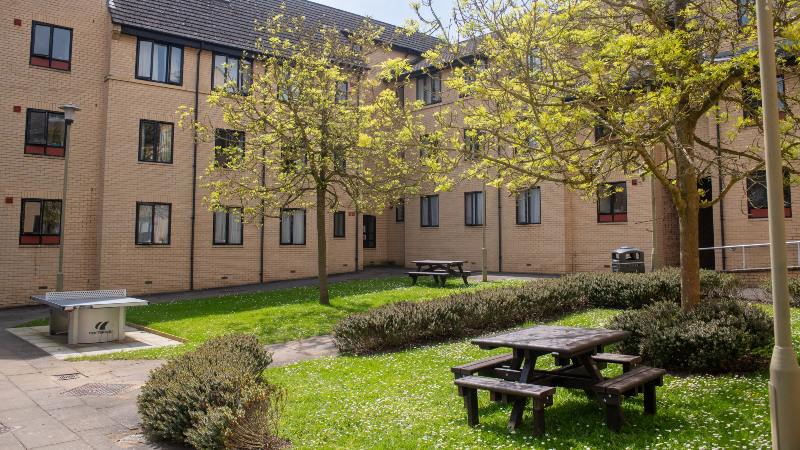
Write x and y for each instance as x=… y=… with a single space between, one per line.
x=470 y=313
x=713 y=337
x=198 y=398
x=794 y=289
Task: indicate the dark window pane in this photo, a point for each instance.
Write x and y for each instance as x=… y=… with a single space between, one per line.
x=535 y=205
x=61 y=43
x=522 y=208
x=175 y=64
x=286 y=227
x=620 y=200
x=605 y=205
x=145 y=59
x=219 y=70
x=51 y=217
x=147 y=144
x=144 y=229
x=31 y=211
x=299 y=227
x=37 y=128
x=41 y=40
x=55 y=130
x=160 y=62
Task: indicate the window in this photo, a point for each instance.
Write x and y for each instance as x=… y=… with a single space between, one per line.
x=400 y=211
x=40 y=222
x=228 y=227
x=429 y=88
x=473 y=208
x=51 y=46
x=612 y=206
x=338 y=224
x=342 y=88
x=228 y=146
x=429 y=211
x=534 y=60
x=400 y=92
x=751 y=96
x=153 y=223
x=744 y=8
x=757 y=195
x=155 y=141
x=529 y=206
x=234 y=70
x=370 y=234
x=160 y=62
x=293 y=226
x=45 y=133
x=472 y=143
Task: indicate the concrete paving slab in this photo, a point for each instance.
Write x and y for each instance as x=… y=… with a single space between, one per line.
x=42 y=431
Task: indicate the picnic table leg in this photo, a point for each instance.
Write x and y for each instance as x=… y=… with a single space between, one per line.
x=413 y=280
x=519 y=406
x=650 y=398
x=613 y=412
x=471 y=404
x=538 y=417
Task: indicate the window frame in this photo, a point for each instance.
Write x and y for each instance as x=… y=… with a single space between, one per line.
x=218 y=154
x=339 y=215
x=428 y=78
x=613 y=217
x=169 y=46
x=44 y=147
x=291 y=227
x=763 y=213
x=228 y=214
x=40 y=237
x=528 y=213
x=49 y=57
x=239 y=60
x=153 y=224
x=471 y=200
x=158 y=141
x=400 y=211
x=369 y=238
x=430 y=213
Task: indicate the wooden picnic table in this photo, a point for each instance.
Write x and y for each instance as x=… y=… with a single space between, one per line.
x=573 y=345
x=440 y=269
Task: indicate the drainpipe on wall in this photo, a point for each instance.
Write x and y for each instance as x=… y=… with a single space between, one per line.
x=499 y=229
x=356 y=235
x=721 y=188
x=194 y=168
x=653 y=207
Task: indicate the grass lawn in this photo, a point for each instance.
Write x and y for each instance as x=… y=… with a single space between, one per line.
x=276 y=316
x=407 y=400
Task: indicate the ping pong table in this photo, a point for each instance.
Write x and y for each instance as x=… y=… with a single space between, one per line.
x=89 y=317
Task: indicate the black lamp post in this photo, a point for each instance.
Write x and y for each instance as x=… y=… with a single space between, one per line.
x=69 y=117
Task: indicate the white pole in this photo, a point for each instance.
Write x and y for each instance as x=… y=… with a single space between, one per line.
x=784 y=384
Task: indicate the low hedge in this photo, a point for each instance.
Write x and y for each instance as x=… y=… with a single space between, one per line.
x=204 y=398
x=794 y=289
x=401 y=325
x=713 y=337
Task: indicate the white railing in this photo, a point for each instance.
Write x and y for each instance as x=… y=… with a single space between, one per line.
x=741 y=249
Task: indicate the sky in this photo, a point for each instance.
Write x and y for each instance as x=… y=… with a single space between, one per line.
x=394 y=12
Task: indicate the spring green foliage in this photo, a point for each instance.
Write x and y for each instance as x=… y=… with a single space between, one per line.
x=322 y=128
x=594 y=91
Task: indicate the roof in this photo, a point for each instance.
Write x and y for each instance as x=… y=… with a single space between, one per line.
x=230 y=23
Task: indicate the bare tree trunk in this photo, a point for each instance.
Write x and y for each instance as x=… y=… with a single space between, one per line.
x=322 y=249
x=689 y=221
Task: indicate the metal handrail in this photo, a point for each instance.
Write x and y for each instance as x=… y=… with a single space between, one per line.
x=744 y=248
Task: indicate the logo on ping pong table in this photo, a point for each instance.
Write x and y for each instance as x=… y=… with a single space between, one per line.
x=101 y=328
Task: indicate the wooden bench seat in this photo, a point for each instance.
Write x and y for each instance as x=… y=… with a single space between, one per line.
x=627 y=361
x=542 y=397
x=483 y=366
x=612 y=390
x=439 y=277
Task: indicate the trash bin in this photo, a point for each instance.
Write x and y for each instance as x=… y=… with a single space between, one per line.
x=628 y=260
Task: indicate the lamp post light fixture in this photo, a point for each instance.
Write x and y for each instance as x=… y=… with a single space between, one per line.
x=784 y=380
x=69 y=117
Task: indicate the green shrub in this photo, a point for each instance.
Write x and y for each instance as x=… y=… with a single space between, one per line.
x=794 y=289
x=401 y=325
x=713 y=337
x=196 y=398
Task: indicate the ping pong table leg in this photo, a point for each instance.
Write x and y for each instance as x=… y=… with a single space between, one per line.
x=121 y=324
x=72 y=334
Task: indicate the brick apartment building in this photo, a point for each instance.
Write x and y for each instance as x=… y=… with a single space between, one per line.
x=135 y=216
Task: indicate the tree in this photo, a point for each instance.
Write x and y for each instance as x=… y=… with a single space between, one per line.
x=575 y=91
x=323 y=125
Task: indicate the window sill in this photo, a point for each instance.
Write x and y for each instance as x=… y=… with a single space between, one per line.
x=168 y=83
x=227 y=245
x=39 y=245
x=527 y=224
x=152 y=245
x=155 y=163
x=42 y=155
x=292 y=245
x=67 y=69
